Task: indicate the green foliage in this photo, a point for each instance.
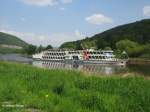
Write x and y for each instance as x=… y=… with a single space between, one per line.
x=11 y=40
x=78 y=45
x=146 y=51
x=58 y=88
x=68 y=45
x=137 y=32
x=4 y=50
x=40 y=48
x=133 y=49
x=87 y=44
x=107 y=48
x=101 y=43
x=70 y=91
x=48 y=47
x=30 y=49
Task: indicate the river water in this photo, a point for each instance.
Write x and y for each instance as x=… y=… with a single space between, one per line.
x=87 y=68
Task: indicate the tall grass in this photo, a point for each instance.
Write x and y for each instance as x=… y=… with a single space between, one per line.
x=70 y=91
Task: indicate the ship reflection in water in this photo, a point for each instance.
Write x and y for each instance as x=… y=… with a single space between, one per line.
x=87 y=68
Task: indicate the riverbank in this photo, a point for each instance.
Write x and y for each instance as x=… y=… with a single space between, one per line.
x=25 y=88
x=138 y=61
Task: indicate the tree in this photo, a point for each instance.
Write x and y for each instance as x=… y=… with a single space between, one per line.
x=132 y=48
x=146 y=51
x=78 y=46
x=31 y=49
x=107 y=48
x=101 y=43
x=40 y=48
x=48 y=47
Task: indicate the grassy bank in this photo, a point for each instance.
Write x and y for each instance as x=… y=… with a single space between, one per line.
x=4 y=50
x=139 y=61
x=70 y=91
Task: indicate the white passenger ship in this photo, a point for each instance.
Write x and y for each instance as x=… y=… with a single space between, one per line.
x=80 y=56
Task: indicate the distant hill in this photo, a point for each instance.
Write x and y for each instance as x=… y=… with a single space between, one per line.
x=7 y=39
x=138 y=32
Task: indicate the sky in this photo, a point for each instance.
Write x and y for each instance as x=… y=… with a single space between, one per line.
x=43 y=22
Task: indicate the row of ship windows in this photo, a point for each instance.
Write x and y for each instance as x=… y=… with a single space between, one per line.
x=90 y=57
x=90 y=53
x=44 y=57
x=98 y=53
x=55 y=53
x=98 y=57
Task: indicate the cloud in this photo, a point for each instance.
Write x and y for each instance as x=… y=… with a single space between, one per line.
x=55 y=39
x=43 y=3
x=98 y=19
x=146 y=11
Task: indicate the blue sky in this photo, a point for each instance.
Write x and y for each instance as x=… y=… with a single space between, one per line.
x=56 y=21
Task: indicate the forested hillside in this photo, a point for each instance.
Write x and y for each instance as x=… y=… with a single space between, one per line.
x=8 y=39
x=133 y=37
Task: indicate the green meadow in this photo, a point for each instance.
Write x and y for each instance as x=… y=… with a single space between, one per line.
x=43 y=90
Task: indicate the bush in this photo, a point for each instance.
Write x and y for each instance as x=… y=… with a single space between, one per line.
x=132 y=48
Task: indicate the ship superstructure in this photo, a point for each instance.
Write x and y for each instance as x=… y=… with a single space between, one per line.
x=82 y=56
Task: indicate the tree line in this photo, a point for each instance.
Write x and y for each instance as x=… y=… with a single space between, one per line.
x=32 y=49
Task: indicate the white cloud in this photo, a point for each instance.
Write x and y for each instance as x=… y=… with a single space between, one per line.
x=45 y=2
x=55 y=39
x=146 y=11
x=40 y=2
x=98 y=19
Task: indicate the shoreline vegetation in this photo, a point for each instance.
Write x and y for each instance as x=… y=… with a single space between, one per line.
x=24 y=88
x=138 y=61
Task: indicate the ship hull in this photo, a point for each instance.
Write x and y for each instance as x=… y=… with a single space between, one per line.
x=106 y=62
x=102 y=62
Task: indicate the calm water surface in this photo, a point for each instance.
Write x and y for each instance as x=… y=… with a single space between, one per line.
x=87 y=68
